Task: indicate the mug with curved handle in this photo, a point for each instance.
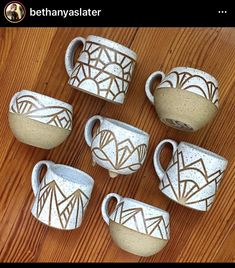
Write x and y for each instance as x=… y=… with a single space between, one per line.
x=149 y=84
x=70 y=51
x=116 y=146
x=62 y=196
x=89 y=127
x=193 y=175
x=104 y=68
x=185 y=99
x=136 y=227
x=36 y=174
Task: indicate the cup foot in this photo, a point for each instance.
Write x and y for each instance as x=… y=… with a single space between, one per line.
x=177 y=124
x=112 y=174
x=182 y=109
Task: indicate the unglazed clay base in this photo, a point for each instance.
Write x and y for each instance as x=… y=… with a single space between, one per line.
x=36 y=133
x=134 y=242
x=182 y=109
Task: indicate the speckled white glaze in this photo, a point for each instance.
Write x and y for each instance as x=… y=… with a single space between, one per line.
x=136 y=227
x=116 y=146
x=137 y=216
x=185 y=99
x=104 y=68
x=186 y=78
x=62 y=196
x=42 y=108
x=193 y=174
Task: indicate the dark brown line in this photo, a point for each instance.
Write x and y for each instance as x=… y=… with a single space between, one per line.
x=103 y=71
x=117 y=51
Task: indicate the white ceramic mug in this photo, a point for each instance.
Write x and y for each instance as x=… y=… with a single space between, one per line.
x=136 y=227
x=39 y=120
x=62 y=196
x=116 y=146
x=104 y=68
x=186 y=98
x=193 y=175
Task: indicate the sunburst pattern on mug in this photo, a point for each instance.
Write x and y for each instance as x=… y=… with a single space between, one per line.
x=193 y=186
x=102 y=71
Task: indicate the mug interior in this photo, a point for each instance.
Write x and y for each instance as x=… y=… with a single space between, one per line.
x=127 y=127
x=112 y=44
x=72 y=174
x=45 y=98
x=147 y=205
x=205 y=151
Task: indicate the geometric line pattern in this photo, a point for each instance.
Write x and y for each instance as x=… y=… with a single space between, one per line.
x=32 y=108
x=127 y=156
x=74 y=203
x=105 y=71
x=190 y=184
x=135 y=219
x=190 y=82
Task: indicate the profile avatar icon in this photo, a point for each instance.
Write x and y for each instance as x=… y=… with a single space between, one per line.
x=14 y=12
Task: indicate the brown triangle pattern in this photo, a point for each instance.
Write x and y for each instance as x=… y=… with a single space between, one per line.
x=74 y=203
x=135 y=219
x=123 y=150
x=188 y=191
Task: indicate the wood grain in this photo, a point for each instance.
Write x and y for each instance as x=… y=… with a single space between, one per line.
x=33 y=58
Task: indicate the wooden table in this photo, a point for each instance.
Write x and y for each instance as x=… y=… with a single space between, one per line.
x=33 y=58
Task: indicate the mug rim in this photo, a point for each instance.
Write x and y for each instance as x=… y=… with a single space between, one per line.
x=87 y=176
x=205 y=151
x=149 y=206
x=63 y=104
x=127 y=127
x=121 y=48
x=198 y=70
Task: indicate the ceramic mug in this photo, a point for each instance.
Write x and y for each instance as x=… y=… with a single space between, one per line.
x=62 y=196
x=39 y=120
x=185 y=99
x=116 y=146
x=104 y=68
x=193 y=175
x=136 y=227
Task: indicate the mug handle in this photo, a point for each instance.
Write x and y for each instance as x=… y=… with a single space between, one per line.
x=69 y=54
x=89 y=126
x=13 y=99
x=36 y=172
x=105 y=203
x=156 y=156
x=149 y=84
